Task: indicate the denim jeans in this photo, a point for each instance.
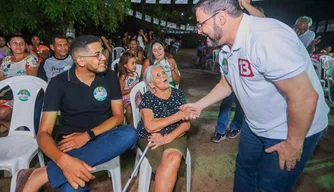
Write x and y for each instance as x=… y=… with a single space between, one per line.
x=102 y=149
x=260 y=171
x=224 y=115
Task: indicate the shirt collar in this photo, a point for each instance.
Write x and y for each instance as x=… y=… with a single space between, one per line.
x=241 y=35
x=71 y=76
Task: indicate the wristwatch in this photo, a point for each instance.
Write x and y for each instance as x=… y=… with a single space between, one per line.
x=91 y=135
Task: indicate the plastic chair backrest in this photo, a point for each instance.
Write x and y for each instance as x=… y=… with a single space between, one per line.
x=177 y=86
x=216 y=55
x=138 y=69
x=318 y=66
x=25 y=90
x=142 y=87
x=114 y=63
x=116 y=52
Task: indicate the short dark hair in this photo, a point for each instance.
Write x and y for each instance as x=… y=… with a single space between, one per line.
x=57 y=37
x=16 y=35
x=210 y=7
x=80 y=43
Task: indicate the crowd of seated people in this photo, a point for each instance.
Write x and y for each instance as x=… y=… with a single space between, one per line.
x=58 y=60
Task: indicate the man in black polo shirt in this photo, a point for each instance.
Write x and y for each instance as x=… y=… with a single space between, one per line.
x=90 y=102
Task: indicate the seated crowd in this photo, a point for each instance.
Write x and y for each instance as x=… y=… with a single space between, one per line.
x=95 y=120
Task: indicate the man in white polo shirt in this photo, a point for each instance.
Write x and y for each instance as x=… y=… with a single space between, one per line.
x=268 y=68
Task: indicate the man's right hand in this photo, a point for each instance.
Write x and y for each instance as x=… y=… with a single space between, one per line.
x=194 y=111
x=75 y=171
x=316 y=41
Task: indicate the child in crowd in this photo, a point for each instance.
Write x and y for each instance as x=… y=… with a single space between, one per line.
x=128 y=78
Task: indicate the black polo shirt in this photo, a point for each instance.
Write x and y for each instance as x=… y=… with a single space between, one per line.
x=82 y=107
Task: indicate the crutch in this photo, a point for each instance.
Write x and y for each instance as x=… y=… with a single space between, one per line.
x=136 y=168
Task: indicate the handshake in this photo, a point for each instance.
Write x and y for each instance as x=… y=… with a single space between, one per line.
x=189 y=112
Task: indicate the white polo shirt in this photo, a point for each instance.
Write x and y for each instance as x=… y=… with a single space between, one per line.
x=266 y=50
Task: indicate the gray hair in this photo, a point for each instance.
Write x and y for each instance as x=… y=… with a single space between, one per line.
x=210 y=7
x=306 y=19
x=148 y=75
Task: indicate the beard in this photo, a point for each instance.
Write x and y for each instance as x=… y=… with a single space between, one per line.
x=217 y=35
x=97 y=71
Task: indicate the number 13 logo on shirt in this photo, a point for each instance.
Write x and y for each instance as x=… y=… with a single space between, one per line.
x=245 y=68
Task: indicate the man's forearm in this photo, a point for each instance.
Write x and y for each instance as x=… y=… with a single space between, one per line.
x=49 y=147
x=108 y=124
x=253 y=11
x=300 y=116
x=219 y=92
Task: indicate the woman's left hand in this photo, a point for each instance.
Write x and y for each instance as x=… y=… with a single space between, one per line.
x=158 y=140
x=171 y=64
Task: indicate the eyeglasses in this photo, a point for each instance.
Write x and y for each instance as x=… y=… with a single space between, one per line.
x=98 y=54
x=200 y=24
x=15 y=43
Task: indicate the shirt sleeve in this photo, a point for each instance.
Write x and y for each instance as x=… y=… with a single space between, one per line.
x=116 y=93
x=31 y=62
x=53 y=96
x=41 y=71
x=311 y=38
x=279 y=55
x=145 y=102
x=183 y=99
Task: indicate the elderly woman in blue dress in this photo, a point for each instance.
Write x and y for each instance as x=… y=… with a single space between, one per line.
x=163 y=123
x=155 y=56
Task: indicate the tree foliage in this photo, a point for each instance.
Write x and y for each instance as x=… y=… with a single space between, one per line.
x=52 y=16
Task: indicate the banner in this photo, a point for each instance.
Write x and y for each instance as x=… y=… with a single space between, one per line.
x=148 y=18
x=162 y=23
x=139 y=15
x=135 y=1
x=151 y=1
x=130 y=12
x=321 y=26
x=164 y=1
x=156 y=21
x=181 y=1
x=330 y=26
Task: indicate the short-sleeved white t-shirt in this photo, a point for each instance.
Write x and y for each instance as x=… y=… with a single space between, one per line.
x=265 y=51
x=11 y=69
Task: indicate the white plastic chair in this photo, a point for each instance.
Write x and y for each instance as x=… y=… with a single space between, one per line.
x=114 y=172
x=317 y=64
x=329 y=79
x=211 y=63
x=177 y=86
x=117 y=52
x=138 y=69
x=115 y=62
x=145 y=167
x=19 y=147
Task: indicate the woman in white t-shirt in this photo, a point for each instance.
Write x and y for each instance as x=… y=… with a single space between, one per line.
x=156 y=55
x=20 y=63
